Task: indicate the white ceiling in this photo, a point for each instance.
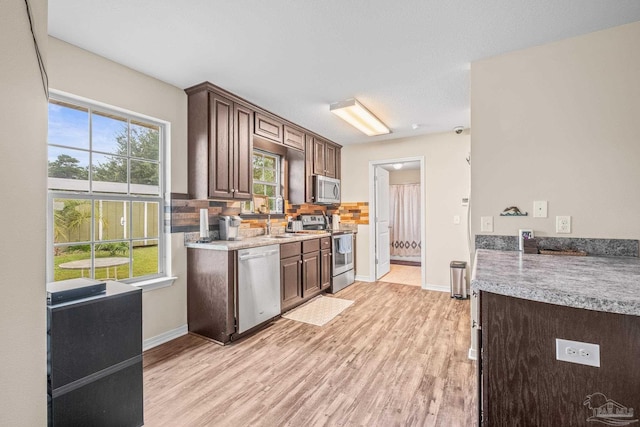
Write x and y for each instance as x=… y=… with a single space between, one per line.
x=407 y=61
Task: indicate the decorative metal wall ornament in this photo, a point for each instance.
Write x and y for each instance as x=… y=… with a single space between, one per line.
x=513 y=211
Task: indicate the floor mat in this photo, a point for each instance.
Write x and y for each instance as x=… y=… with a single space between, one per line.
x=318 y=311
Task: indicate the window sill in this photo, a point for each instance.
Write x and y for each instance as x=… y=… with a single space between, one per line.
x=157 y=283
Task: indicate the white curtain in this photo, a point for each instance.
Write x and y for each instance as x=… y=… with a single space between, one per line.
x=404 y=204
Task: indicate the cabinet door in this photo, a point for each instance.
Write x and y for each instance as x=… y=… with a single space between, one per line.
x=308 y=171
x=310 y=273
x=318 y=156
x=220 y=147
x=290 y=285
x=243 y=153
x=330 y=160
x=293 y=137
x=325 y=268
x=269 y=127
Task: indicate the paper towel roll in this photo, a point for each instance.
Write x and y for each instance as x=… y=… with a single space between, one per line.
x=204 y=223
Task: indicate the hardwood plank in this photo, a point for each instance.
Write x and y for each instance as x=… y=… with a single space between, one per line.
x=397 y=356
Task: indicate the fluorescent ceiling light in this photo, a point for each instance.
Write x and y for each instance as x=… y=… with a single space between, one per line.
x=397 y=166
x=354 y=113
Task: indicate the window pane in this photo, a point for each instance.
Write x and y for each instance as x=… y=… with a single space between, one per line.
x=112 y=260
x=144 y=221
x=257 y=174
x=269 y=175
x=272 y=205
x=112 y=219
x=258 y=189
x=145 y=257
x=270 y=190
x=269 y=162
x=258 y=161
x=144 y=177
x=71 y=220
x=109 y=173
x=71 y=262
x=68 y=125
x=145 y=141
x=109 y=134
x=68 y=169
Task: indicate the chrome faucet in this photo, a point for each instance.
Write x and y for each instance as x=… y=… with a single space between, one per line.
x=268 y=225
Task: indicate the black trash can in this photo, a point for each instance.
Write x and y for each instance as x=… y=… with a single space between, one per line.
x=458 y=279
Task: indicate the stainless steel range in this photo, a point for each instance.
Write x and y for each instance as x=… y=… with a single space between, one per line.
x=342 y=251
x=341 y=261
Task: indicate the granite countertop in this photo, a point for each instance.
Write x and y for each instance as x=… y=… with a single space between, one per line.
x=609 y=284
x=254 y=242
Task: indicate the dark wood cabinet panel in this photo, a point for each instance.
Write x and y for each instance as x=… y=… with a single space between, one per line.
x=524 y=384
x=310 y=273
x=330 y=164
x=325 y=268
x=243 y=153
x=294 y=137
x=210 y=293
x=290 y=282
x=268 y=127
x=318 y=156
x=220 y=169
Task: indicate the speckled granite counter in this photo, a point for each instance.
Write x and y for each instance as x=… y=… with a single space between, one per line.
x=609 y=284
x=253 y=242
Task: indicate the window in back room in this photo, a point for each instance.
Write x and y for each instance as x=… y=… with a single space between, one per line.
x=266 y=177
x=105 y=188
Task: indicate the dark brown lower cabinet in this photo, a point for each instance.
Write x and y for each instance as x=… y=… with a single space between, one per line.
x=523 y=384
x=300 y=272
x=325 y=263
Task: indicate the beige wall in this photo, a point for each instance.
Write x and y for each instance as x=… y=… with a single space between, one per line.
x=559 y=123
x=23 y=162
x=446 y=183
x=410 y=176
x=81 y=73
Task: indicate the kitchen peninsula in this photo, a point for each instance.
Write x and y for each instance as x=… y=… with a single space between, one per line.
x=527 y=302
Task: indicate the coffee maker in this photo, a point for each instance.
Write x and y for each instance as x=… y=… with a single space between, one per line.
x=229 y=227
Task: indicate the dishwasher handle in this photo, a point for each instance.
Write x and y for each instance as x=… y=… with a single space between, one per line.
x=259 y=255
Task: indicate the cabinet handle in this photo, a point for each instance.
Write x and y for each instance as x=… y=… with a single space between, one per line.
x=300 y=261
x=233 y=191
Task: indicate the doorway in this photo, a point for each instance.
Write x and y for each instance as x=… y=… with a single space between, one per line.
x=397 y=251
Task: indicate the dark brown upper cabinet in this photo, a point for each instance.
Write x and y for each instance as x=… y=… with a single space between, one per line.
x=293 y=137
x=220 y=146
x=324 y=157
x=268 y=127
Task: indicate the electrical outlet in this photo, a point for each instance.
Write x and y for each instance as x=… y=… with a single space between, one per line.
x=563 y=224
x=486 y=224
x=583 y=353
x=540 y=209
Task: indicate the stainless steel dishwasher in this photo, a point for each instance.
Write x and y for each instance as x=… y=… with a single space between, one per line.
x=258 y=285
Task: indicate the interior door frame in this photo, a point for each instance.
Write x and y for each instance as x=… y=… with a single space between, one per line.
x=373 y=164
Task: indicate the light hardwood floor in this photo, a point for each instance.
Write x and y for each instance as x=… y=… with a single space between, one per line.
x=396 y=357
x=404 y=274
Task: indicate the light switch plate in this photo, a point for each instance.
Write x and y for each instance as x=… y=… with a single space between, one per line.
x=486 y=224
x=540 y=209
x=583 y=353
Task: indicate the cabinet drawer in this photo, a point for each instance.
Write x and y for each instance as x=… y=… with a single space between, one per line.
x=310 y=246
x=325 y=243
x=290 y=249
x=294 y=137
x=268 y=127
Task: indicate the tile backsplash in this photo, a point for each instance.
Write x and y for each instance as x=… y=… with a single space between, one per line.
x=183 y=215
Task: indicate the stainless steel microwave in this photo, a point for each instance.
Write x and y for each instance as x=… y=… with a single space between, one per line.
x=326 y=190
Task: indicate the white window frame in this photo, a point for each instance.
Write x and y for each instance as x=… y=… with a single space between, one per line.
x=278 y=183
x=148 y=282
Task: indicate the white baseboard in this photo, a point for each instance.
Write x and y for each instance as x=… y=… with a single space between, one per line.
x=364 y=279
x=439 y=288
x=149 y=343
